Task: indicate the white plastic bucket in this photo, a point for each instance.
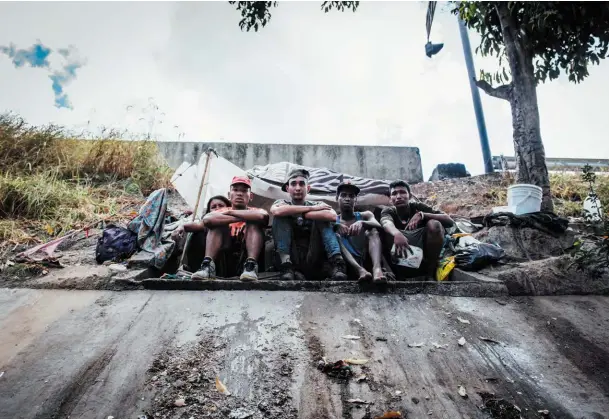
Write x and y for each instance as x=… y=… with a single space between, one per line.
x=524 y=199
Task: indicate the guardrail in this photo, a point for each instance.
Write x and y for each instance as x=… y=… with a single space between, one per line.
x=554 y=164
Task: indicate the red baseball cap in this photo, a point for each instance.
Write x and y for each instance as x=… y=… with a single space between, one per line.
x=241 y=179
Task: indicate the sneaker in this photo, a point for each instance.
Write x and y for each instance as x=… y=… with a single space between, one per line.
x=339 y=269
x=207 y=271
x=287 y=271
x=250 y=270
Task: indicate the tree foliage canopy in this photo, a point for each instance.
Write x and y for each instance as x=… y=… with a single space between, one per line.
x=256 y=14
x=558 y=36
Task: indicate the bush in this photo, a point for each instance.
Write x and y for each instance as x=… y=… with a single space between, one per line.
x=51 y=182
x=569 y=191
x=30 y=150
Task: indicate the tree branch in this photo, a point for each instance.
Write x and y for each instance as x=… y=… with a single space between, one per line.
x=502 y=92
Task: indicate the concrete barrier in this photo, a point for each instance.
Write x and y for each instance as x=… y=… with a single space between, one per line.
x=375 y=162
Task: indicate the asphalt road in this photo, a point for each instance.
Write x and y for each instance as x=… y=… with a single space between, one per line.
x=87 y=354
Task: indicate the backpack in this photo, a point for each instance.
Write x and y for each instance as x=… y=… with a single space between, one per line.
x=115 y=244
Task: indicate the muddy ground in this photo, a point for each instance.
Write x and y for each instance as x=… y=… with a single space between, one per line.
x=95 y=354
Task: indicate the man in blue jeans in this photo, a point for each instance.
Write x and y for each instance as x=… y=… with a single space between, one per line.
x=301 y=227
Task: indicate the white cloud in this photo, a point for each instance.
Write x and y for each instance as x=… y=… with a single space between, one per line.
x=350 y=78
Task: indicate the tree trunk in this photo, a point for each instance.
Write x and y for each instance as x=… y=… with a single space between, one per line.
x=530 y=154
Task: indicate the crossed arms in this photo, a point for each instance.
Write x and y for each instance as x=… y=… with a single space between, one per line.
x=319 y=212
x=256 y=216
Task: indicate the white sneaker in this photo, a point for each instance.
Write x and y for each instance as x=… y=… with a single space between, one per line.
x=250 y=271
x=207 y=271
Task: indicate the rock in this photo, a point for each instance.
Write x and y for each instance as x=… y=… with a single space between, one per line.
x=179 y=403
x=552 y=276
x=142 y=259
x=117 y=267
x=526 y=243
x=241 y=413
x=449 y=171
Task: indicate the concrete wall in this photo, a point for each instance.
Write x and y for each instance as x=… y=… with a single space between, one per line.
x=375 y=162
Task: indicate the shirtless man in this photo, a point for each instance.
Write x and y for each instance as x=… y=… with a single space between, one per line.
x=359 y=234
x=414 y=223
x=301 y=228
x=232 y=230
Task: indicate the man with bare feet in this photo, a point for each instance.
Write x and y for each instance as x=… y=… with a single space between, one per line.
x=413 y=223
x=233 y=230
x=359 y=235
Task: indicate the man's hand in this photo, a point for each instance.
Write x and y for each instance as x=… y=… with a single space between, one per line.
x=356 y=228
x=178 y=233
x=414 y=221
x=342 y=230
x=401 y=245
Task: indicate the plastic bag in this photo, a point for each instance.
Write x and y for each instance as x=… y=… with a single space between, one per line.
x=414 y=259
x=464 y=240
x=478 y=255
x=445 y=267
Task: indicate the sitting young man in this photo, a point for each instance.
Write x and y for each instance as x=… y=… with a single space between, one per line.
x=300 y=227
x=195 y=251
x=413 y=223
x=359 y=234
x=230 y=230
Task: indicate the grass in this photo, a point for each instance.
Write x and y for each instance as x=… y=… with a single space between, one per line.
x=568 y=190
x=51 y=182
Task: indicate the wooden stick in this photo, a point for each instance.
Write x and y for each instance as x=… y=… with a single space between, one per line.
x=194 y=214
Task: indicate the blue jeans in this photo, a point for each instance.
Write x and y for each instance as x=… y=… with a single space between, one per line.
x=283 y=233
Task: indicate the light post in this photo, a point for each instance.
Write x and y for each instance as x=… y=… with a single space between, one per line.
x=432 y=49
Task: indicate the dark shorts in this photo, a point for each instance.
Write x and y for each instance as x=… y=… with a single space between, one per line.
x=231 y=258
x=415 y=237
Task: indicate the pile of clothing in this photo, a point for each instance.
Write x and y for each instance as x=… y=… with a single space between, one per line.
x=148 y=235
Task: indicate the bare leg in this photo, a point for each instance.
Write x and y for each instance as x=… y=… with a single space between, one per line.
x=364 y=275
x=214 y=242
x=434 y=239
x=375 y=250
x=254 y=241
x=388 y=271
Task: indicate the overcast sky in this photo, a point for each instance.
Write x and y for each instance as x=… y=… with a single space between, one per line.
x=308 y=77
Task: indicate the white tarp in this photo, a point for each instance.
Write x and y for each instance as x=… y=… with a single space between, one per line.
x=187 y=181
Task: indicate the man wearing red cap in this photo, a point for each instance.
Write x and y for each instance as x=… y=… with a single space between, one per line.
x=230 y=230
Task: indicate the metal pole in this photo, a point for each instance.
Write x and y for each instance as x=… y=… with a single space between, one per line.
x=194 y=214
x=469 y=62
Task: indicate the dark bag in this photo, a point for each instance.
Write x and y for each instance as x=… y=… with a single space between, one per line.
x=115 y=244
x=477 y=256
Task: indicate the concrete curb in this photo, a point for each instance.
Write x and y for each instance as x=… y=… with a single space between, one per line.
x=452 y=288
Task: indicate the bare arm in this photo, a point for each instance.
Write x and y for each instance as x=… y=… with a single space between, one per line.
x=390 y=228
x=369 y=221
x=251 y=215
x=214 y=219
x=323 y=215
x=194 y=227
x=284 y=210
